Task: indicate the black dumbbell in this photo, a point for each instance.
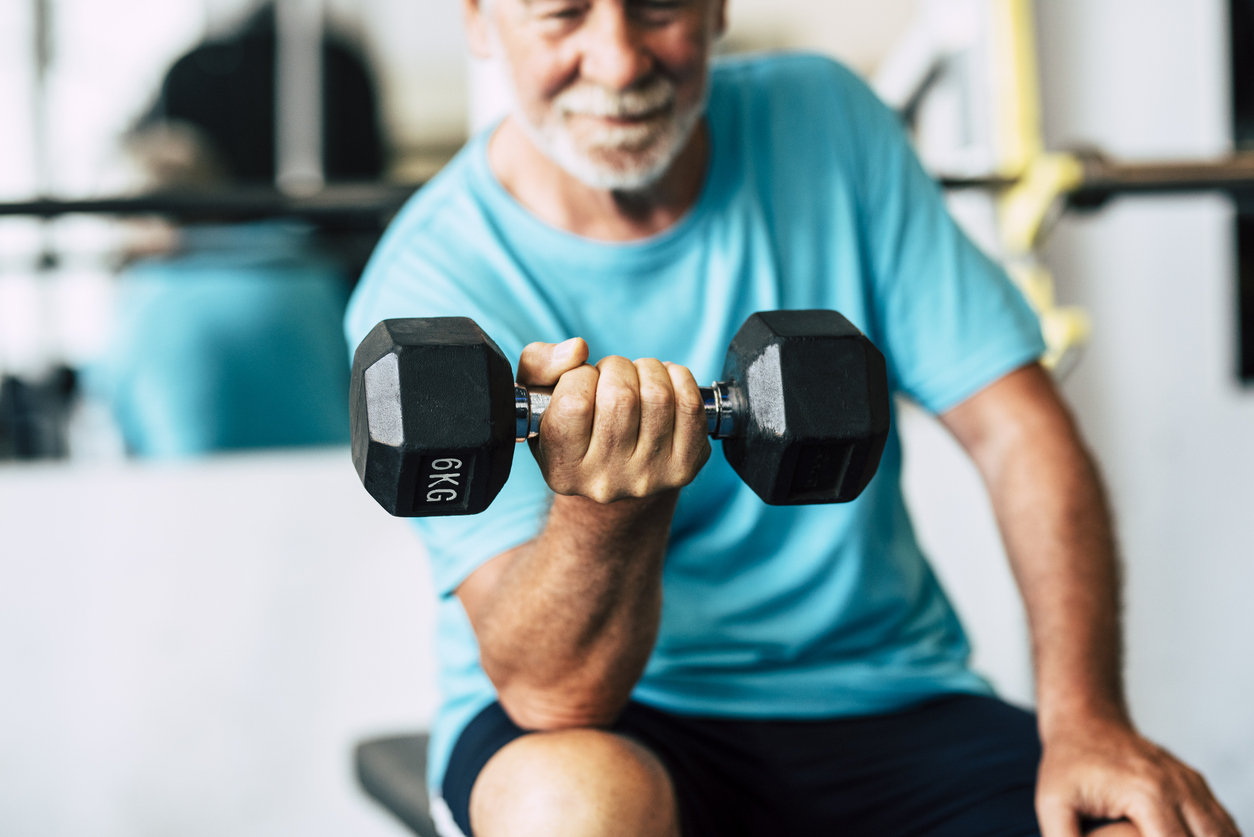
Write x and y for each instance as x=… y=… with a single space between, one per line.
x=802 y=410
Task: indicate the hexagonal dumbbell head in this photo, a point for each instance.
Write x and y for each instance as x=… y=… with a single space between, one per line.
x=816 y=411
x=432 y=411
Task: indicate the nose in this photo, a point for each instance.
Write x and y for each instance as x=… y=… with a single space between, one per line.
x=614 y=55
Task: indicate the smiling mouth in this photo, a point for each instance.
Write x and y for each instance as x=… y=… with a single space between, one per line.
x=624 y=120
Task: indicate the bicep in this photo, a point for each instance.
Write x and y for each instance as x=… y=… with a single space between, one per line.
x=1020 y=411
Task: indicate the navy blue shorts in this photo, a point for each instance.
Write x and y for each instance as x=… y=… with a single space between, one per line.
x=957 y=766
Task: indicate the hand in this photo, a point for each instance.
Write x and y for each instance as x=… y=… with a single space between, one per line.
x=616 y=430
x=1105 y=770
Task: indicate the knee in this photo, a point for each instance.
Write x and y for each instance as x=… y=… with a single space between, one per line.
x=574 y=782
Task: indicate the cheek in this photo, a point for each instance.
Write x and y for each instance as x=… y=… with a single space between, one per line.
x=539 y=74
x=683 y=55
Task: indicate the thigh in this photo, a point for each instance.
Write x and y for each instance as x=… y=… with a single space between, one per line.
x=960 y=766
x=723 y=785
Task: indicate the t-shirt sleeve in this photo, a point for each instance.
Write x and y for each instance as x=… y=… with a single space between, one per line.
x=414 y=275
x=948 y=319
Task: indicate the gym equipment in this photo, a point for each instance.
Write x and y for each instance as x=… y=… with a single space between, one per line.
x=1098 y=178
x=393 y=772
x=371 y=205
x=803 y=412
x=337 y=206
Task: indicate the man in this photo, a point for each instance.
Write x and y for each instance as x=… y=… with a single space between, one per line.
x=623 y=657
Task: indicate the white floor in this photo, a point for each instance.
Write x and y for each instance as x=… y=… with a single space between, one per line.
x=194 y=649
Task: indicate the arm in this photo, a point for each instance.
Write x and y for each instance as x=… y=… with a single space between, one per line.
x=566 y=622
x=1054 y=521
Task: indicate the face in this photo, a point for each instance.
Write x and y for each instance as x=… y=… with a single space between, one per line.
x=609 y=89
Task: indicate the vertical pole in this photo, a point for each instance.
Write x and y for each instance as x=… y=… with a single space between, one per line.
x=41 y=33
x=1241 y=25
x=1017 y=86
x=298 y=96
x=1025 y=210
x=39 y=353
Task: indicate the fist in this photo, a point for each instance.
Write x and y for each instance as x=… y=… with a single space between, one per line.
x=617 y=430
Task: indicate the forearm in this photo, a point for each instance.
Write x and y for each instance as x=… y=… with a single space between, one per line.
x=1056 y=526
x=573 y=615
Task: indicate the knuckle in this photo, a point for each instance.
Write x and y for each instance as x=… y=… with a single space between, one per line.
x=649 y=366
x=616 y=365
x=616 y=396
x=656 y=394
x=601 y=491
x=680 y=372
x=532 y=352
x=572 y=405
x=689 y=404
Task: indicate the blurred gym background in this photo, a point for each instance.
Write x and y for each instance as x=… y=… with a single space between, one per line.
x=201 y=610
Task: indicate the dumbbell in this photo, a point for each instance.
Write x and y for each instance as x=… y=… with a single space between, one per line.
x=802 y=410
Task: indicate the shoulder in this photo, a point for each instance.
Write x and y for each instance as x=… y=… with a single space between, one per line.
x=801 y=110
x=431 y=248
x=789 y=80
x=801 y=124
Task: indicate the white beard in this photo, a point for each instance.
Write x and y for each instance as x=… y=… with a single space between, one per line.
x=627 y=158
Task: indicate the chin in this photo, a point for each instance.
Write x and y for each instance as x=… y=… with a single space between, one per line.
x=618 y=170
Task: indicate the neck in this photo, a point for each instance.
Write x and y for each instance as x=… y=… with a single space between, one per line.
x=563 y=201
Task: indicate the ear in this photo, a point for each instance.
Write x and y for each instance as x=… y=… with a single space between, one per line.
x=475 y=13
x=719 y=14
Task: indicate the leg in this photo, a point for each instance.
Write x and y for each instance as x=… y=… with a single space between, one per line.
x=575 y=783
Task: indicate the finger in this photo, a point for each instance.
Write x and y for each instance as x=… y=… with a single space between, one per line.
x=1155 y=818
x=1199 y=808
x=542 y=364
x=617 y=421
x=1208 y=820
x=566 y=429
x=1057 y=818
x=657 y=410
x=691 y=441
x=1217 y=817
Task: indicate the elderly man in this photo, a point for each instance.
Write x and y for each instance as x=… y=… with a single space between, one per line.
x=631 y=642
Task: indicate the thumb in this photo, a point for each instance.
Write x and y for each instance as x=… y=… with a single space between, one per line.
x=542 y=364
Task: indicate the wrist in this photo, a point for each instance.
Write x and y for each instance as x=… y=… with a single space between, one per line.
x=1081 y=718
x=628 y=509
x=643 y=521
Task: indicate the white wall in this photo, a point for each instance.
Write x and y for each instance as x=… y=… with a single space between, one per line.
x=1156 y=393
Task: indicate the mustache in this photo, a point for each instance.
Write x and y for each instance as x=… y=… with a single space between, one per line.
x=584 y=99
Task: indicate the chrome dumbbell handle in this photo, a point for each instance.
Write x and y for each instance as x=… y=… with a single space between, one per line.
x=720 y=409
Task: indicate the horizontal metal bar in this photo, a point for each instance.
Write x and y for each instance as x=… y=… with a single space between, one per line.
x=346 y=205
x=1104 y=178
x=373 y=204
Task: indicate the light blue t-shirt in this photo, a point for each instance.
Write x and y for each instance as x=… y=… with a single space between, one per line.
x=813 y=199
